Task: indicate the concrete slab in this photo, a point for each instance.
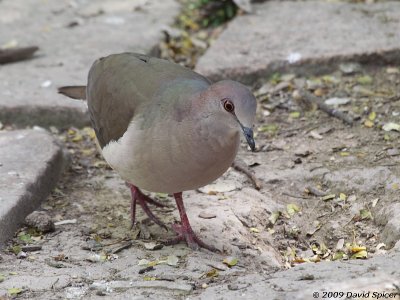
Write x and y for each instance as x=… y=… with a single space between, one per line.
x=376 y=276
x=71 y=35
x=30 y=163
x=303 y=36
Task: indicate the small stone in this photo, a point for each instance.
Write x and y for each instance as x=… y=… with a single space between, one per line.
x=204 y=285
x=41 y=221
x=350 y=68
x=393 y=152
x=337 y=101
x=205 y=215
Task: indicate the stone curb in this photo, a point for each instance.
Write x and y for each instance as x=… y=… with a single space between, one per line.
x=303 y=37
x=31 y=161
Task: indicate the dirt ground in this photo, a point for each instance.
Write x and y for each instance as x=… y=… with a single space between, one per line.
x=327 y=189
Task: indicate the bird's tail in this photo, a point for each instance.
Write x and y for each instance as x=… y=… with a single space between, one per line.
x=74 y=91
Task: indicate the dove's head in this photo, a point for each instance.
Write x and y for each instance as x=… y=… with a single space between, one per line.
x=232 y=104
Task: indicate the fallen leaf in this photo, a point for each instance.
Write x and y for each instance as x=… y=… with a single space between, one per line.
x=295 y=114
x=270 y=128
x=328 y=197
x=360 y=255
x=14 y=291
x=340 y=244
x=161 y=195
x=380 y=246
x=375 y=202
x=212 y=273
x=364 y=80
x=391 y=126
x=292 y=209
x=338 y=255
x=153 y=246
x=274 y=217
x=254 y=230
x=143 y=262
x=230 y=261
x=337 y=101
x=315 y=135
x=220 y=187
x=372 y=116
x=365 y=214
x=2 y=278
x=342 y=196
x=172 y=260
x=316 y=226
x=149 y=278
x=368 y=123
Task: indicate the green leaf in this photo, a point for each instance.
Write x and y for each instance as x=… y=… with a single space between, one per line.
x=274 y=217
x=16 y=249
x=25 y=238
x=230 y=261
x=14 y=291
x=295 y=114
x=364 y=80
x=292 y=209
x=365 y=214
x=270 y=128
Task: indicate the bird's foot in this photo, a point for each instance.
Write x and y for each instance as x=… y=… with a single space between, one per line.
x=139 y=198
x=186 y=234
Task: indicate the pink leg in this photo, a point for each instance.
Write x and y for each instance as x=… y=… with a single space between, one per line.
x=185 y=231
x=142 y=199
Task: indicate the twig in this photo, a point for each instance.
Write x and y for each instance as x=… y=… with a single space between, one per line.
x=294 y=196
x=16 y=54
x=315 y=192
x=239 y=165
x=310 y=99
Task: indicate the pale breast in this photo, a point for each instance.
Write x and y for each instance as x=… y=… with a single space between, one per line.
x=173 y=158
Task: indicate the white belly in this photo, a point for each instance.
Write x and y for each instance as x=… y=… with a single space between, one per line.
x=158 y=160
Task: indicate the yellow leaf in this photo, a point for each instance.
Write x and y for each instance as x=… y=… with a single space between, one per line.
x=395 y=186
x=77 y=138
x=212 y=273
x=344 y=153
x=368 y=123
x=356 y=248
x=342 y=196
x=148 y=278
x=372 y=116
x=361 y=254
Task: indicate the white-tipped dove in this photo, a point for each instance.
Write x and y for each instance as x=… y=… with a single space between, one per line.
x=165 y=128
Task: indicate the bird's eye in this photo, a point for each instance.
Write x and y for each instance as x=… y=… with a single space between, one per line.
x=229 y=106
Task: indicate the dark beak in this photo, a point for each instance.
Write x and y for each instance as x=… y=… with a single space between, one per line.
x=248 y=133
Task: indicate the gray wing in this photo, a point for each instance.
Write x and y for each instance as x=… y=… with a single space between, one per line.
x=118 y=84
